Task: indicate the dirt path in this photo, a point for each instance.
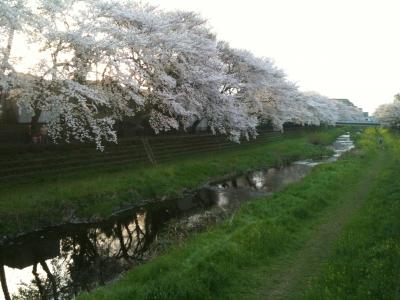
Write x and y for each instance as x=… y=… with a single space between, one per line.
x=295 y=273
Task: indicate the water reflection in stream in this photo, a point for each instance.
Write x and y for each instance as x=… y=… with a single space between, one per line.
x=59 y=263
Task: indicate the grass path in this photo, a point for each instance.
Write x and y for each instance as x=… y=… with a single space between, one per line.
x=295 y=273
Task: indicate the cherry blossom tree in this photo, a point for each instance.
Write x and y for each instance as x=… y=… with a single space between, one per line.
x=389 y=114
x=14 y=17
x=75 y=106
x=347 y=111
x=260 y=85
x=102 y=62
x=12 y=20
x=177 y=74
x=322 y=110
x=272 y=98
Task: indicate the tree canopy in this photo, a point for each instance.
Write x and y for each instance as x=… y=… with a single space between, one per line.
x=389 y=114
x=105 y=61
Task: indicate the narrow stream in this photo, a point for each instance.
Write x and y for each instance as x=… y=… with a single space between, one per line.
x=61 y=262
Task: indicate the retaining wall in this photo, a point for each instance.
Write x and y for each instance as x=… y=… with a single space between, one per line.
x=18 y=161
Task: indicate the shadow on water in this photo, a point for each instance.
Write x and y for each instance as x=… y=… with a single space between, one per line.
x=60 y=262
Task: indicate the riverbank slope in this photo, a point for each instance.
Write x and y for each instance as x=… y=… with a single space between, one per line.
x=51 y=200
x=288 y=246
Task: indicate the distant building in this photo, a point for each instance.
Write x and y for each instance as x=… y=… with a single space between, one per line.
x=353 y=114
x=345 y=101
x=368 y=118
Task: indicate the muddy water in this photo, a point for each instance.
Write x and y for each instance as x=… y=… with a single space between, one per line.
x=60 y=262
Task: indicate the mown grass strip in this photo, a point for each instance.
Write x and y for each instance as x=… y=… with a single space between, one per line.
x=226 y=261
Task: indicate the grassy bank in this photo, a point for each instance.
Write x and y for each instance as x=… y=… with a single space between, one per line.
x=366 y=259
x=24 y=206
x=233 y=259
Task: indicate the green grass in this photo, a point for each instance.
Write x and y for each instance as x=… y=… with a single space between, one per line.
x=49 y=199
x=232 y=259
x=366 y=259
x=318 y=138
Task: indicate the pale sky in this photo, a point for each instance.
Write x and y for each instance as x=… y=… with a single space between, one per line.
x=339 y=48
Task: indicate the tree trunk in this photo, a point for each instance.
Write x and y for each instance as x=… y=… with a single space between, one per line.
x=3 y=104
x=6 y=65
x=51 y=278
x=42 y=290
x=35 y=126
x=4 y=283
x=7 y=52
x=124 y=250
